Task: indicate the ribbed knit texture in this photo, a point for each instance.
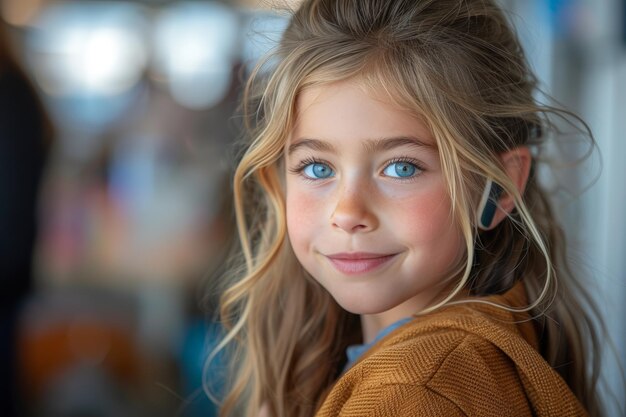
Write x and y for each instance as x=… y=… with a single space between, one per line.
x=465 y=360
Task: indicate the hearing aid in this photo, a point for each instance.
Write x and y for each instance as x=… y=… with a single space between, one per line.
x=488 y=204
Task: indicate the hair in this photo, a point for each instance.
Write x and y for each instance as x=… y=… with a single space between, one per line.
x=458 y=66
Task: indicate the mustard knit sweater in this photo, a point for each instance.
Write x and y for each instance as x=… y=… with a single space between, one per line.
x=464 y=360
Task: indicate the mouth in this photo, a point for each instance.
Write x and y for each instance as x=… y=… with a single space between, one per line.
x=359 y=262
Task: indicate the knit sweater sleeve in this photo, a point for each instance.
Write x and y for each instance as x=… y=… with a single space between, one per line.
x=469 y=377
x=395 y=400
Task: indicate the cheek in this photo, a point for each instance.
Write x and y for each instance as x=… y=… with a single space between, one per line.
x=425 y=218
x=304 y=213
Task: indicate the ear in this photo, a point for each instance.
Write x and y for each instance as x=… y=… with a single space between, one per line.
x=516 y=163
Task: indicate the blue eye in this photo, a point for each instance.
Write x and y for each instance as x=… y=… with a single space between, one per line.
x=400 y=170
x=318 y=171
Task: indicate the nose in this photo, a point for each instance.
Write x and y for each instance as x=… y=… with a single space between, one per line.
x=353 y=212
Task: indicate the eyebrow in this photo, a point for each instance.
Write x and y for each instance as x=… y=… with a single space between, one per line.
x=382 y=144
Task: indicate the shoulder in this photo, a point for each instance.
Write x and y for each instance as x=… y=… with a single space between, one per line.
x=441 y=373
x=440 y=363
x=421 y=349
x=470 y=360
x=457 y=364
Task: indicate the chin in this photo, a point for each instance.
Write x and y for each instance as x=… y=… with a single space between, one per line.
x=364 y=305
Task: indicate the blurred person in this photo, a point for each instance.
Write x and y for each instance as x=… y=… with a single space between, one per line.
x=25 y=137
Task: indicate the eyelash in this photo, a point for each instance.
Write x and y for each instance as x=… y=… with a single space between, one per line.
x=311 y=160
x=306 y=162
x=408 y=160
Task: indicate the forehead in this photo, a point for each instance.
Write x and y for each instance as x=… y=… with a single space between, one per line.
x=347 y=110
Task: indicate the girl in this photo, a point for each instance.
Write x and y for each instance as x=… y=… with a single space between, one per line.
x=399 y=256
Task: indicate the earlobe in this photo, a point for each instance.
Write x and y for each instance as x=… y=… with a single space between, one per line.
x=494 y=205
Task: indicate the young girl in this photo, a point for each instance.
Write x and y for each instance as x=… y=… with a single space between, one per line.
x=400 y=257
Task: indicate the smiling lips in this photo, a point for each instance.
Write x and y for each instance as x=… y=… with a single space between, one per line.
x=358 y=262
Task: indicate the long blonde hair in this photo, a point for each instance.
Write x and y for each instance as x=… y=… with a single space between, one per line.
x=458 y=66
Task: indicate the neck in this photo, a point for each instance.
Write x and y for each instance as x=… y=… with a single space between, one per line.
x=372 y=324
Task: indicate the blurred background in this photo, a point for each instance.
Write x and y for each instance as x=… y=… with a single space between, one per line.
x=117 y=126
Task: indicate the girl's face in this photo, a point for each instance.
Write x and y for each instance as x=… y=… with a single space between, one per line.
x=368 y=213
